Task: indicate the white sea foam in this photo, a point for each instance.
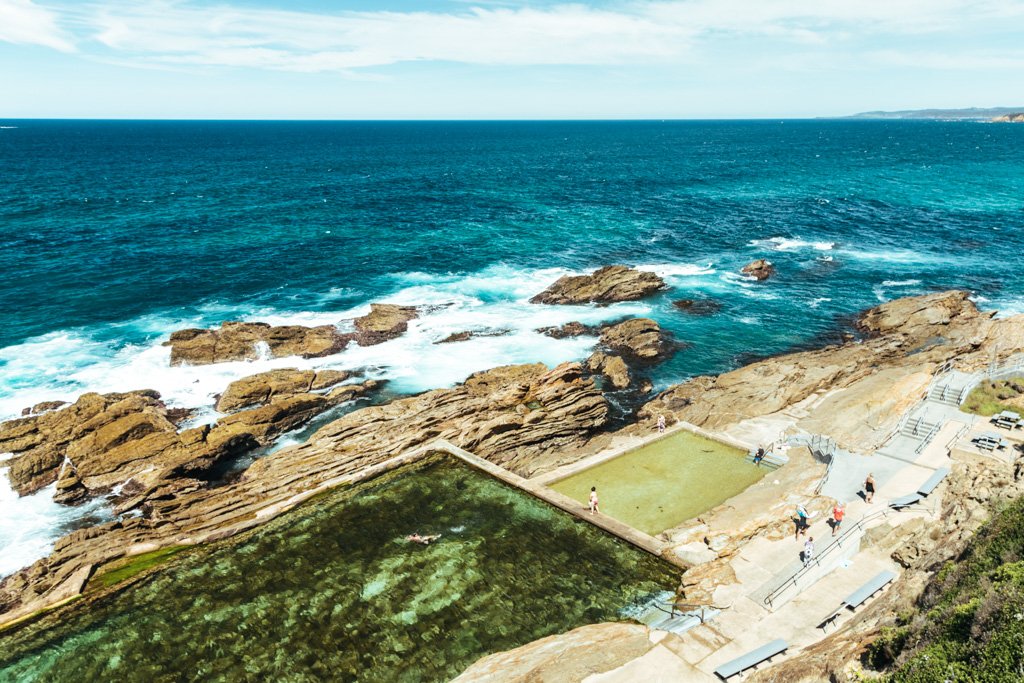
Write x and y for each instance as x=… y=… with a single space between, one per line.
x=900 y=283
x=29 y=525
x=881 y=291
x=814 y=303
x=679 y=270
x=899 y=256
x=791 y=244
x=62 y=365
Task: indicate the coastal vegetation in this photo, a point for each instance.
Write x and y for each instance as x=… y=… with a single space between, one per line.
x=995 y=396
x=969 y=623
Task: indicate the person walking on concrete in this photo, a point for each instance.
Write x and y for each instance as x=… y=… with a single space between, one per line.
x=869 y=488
x=808 y=550
x=802 y=522
x=838 y=512
x=593 y=500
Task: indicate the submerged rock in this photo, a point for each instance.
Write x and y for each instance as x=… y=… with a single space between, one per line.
x=698 y=306
x=603 y=286
x=43 y=407
x=466 y=336
x=571 y=329
x=761 y=269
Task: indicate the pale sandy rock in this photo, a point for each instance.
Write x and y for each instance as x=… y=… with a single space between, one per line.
x=909 y=315
x=937 y=328
x=260 y=389
x=235 y=341
x=613 y=368
x=564 y=658
x=384 y=322
x=863 y=415
x=603 y=286
x=639 y=339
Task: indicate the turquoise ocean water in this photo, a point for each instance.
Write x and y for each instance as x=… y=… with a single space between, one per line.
x=116 y=233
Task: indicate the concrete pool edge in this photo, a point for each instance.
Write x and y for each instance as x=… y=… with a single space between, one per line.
x=77 y=583
x=566 y=471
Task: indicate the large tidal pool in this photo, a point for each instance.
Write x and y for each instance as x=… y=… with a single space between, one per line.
x=332 y=591
x=666 y=482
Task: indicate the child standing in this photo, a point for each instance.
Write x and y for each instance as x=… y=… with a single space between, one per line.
x=593 y=500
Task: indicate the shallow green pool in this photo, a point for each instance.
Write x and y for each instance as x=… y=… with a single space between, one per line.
x=666 y=482
x=332 y=591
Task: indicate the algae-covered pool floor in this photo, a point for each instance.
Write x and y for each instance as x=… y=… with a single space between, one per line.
x=332 y=591
x=666 y=482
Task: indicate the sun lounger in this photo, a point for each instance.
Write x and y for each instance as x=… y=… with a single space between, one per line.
x=751 y=659
x=905 y=501
x=933 y=481
x=861 y=595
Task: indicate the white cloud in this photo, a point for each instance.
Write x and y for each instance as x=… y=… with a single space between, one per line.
x=26 y=23
x=169 y=32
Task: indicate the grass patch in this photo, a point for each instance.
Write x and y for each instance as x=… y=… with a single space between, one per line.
x=135 y=565
x=995 y=396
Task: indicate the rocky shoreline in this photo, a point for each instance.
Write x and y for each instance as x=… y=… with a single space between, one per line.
x=526 y=418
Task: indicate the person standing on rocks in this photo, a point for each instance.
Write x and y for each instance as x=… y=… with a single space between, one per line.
x=593 y=500
x=869 y=488
x=661 y=424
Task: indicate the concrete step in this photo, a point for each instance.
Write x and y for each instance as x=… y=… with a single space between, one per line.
x=700 y=642
x=657 y=613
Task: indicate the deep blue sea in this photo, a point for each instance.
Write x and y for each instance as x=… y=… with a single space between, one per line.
x=116 y=233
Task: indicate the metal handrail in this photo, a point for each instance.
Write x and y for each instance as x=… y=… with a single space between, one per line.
x=956 y=437
x=928 y=437
x=791 y=581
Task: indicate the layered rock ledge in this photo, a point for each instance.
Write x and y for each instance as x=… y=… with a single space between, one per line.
x=517 y=416
x=102 y=441
x=235 y=341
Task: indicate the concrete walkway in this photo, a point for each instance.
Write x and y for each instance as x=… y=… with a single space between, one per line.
x=797 y=613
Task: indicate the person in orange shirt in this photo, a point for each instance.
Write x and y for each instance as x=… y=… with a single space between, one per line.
x=838 y=512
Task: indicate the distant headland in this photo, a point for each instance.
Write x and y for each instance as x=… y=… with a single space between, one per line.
x=995 y=114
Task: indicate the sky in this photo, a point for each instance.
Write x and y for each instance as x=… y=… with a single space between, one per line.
x=505 y=59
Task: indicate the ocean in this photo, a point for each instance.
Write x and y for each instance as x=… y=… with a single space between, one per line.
x=116 y=233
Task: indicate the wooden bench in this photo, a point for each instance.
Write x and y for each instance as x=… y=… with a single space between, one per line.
x=752 y=659
x=905 y=501
x=861 y=595
x=933 y=481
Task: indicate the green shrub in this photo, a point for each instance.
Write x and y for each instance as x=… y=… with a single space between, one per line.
x=970 y=623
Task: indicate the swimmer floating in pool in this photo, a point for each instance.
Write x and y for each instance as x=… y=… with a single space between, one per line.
x=425 y=540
